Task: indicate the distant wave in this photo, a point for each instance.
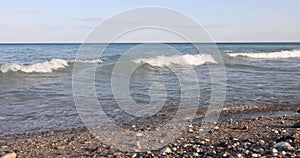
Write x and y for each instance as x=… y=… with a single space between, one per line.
x=269 y=55
x=43 y=67
x=184 y=60
x=87 y=61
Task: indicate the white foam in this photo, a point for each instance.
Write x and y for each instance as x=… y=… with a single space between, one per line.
x=43 y=67
x=270 y=55
x=88 y=61
x=184 y=60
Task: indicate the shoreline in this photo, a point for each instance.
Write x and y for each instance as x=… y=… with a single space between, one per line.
x=246 y=137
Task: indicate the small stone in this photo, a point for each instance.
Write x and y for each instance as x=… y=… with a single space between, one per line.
x=118 y=155
x=245 y=127
x=285 y=138
x=223 y=144
x=239 y=155
x=254 y=155
x=247 y=152
x=61 y=147
x=187 y=145
x=191 y=130
x=261 y=142
x=216 y=127
x=225 y=154
x=283 y=153
x=283 y=145
x=139 y=134
x=134 y=155
x=296 y=125
x=174 y=149
x=166 y=150
x=198 y=150
x=138 y=144
x=274 y=150
x=207 y=140
x=195 y=154
x=29 y=140
x=10 y=155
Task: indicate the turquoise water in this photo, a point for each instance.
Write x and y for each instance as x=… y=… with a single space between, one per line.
x=36 y=79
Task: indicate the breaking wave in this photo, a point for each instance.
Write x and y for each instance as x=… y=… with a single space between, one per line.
x=270 y=55
x=43 y=67
x=183 y=60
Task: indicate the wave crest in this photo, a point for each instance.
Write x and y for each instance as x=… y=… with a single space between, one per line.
x=270 y=55
x=183 y=60
x=43 y=67
x=91 y=61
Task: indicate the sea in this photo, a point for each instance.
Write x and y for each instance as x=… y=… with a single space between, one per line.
x=36 y=88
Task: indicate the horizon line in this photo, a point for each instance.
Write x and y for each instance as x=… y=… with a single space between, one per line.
x=167 y=42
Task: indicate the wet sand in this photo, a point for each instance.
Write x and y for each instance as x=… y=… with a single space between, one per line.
x=268 y=136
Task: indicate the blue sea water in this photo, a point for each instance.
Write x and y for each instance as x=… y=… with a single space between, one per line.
x=36 y=79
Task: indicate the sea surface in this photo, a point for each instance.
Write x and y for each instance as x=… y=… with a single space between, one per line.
x=36 y=79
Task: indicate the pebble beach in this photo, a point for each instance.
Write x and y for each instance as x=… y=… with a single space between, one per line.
x=264 y=136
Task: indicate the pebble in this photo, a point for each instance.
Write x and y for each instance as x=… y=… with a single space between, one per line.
x=10 y=155
x=187 y=145
x=247 y=152
x=174 y=149
x=274 y=150
x=134 y=155
x=138 y=145
x=261 y=142
x=296 y=125
x=149 y=152
x=29 y=140
x=166 y=150
x=283 y=145
x=225 y=154
x=254 y=155
x=195 y=154
x=285 y=138
x=245 y=127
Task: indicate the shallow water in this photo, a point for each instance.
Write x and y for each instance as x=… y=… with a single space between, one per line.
x=36 y=79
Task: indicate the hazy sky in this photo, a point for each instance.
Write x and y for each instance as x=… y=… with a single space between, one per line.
x=72 y=20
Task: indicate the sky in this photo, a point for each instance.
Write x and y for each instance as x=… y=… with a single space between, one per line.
x=226 y=21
